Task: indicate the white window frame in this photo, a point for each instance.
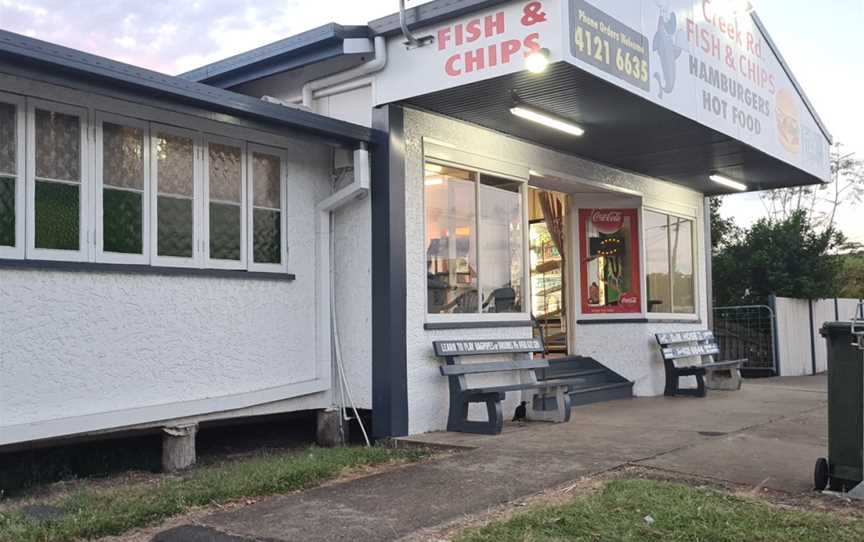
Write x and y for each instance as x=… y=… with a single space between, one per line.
x=250 y=215
x=694 y=251
x=480 y=316
x=196 y=260
x=101 y=254
x=244 y=203
x=85 y=216
x=18 y=251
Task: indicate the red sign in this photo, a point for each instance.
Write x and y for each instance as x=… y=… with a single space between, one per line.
x=607 y=220
x=609 y=248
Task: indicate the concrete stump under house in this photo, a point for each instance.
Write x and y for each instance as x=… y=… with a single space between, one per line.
x=178 y=447
x=331 y=428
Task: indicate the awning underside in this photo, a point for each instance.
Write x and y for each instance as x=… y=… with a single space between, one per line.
x=621 y=129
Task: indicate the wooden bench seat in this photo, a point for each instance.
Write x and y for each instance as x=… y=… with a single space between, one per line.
x=537 y=395
x=691 y=353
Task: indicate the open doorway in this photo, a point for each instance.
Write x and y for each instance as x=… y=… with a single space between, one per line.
x=547 y=222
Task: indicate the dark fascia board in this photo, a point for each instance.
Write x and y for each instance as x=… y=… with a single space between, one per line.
x=429 y=13
x=773 y=46
x=290 y=53
x=62 y=60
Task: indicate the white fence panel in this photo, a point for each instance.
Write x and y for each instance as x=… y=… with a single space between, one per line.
x=793 y=336
x=800 y=347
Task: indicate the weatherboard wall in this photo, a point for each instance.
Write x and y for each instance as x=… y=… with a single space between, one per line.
x=87 y=349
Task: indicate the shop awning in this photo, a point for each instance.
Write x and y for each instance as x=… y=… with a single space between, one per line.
x=621 y=129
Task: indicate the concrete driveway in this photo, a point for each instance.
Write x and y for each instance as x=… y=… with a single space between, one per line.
x=769 y=433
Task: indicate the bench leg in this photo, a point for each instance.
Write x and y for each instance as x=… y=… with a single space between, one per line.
x=671 y=382
x=723 y=379
x=536 y=403
x=457 y=419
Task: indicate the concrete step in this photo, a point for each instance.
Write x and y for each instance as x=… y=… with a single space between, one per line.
x=601 y=393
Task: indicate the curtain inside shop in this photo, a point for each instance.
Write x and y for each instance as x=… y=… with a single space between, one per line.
x=553 y=215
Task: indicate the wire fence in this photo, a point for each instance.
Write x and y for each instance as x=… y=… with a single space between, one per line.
x=748 y=332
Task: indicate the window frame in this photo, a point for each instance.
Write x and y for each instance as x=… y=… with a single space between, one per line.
x=101 y=254
x=197 y=258
x=84 y=215
x=19 y=250
x=694 y=243
x=282 y=154
x=214 y=263
x=479 y=316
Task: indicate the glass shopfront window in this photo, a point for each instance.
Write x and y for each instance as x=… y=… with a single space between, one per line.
x=669 y=264
x=609 y=247
x=474 y=242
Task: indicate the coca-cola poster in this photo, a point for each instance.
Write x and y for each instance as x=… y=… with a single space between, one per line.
x=609 y=249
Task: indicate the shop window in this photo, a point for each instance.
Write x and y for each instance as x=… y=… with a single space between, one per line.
x=57 y=181
x=122 y=189
x=11 y=176
x=267 y=224
x=226 y=188
x=175 y=176
x=474 y=259
x=609 y=247
x=669 y=264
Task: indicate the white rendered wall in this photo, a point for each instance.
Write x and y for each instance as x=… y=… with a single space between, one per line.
x=353 y=266
x=89 y=351
x=629 y=349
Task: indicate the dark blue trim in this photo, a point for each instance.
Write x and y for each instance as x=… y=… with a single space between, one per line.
x=613 y=321
x=476 y=325
x=309 y=47
x=709 y=261
x=428 y=14
x=389 y=293
x=30 y=55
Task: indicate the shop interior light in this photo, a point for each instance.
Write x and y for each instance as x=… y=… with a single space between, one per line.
x=546 y=119
x=433 y=180
x=537 y=61
x=726 y=181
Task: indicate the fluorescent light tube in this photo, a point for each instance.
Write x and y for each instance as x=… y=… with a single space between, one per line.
x=725 y=181
x=547 y=120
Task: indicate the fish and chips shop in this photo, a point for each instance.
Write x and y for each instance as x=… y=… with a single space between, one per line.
x=537 y=170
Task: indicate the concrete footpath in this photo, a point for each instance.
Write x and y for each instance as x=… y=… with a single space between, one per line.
x=769 y=433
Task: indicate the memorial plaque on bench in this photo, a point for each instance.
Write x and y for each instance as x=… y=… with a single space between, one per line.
x=494 y=346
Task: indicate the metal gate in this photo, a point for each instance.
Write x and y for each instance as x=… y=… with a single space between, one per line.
x=748 y=331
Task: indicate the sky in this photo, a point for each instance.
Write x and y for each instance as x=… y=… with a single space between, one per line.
x=819 y=40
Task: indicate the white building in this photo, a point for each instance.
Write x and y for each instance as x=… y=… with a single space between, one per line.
x=168 y=259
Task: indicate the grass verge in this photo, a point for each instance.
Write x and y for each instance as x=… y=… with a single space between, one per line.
x=618 y=512
x=92 y=513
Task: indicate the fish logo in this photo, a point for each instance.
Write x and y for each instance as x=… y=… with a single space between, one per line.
x=667 y=49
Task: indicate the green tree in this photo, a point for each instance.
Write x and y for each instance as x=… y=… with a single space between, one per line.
x=852 y=276
x=789 y=257
x=724 y=231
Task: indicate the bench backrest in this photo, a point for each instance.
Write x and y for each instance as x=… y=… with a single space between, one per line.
x=450 y=350
x=687 y=344
x=493 y=346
